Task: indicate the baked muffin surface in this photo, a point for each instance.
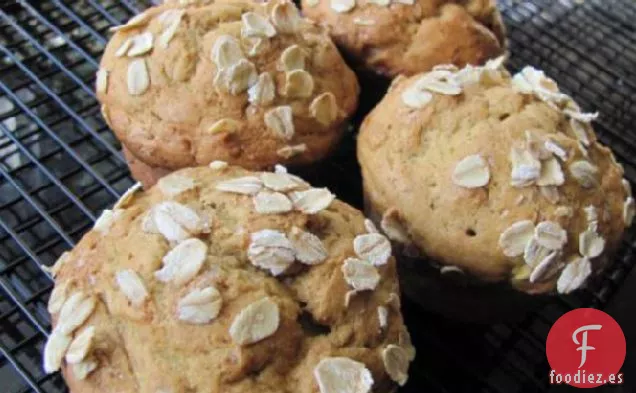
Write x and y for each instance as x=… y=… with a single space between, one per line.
x=212 y=282
x=501 y=177
x=252 y=84
x=411 y=36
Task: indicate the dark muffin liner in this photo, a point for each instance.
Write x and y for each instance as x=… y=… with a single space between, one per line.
x=373 y=87
x=458 y=296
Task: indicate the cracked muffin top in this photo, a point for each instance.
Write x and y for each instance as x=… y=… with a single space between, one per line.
x=250 y=83
x=219 y=279
x=501 y=177
x=392 y=37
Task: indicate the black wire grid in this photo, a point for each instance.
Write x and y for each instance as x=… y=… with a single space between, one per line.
x=60 y=166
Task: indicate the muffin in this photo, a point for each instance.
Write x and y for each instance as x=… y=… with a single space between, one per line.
x=219 y=279
x=142 y=172
x=411 y=36
x=494 y=178
x=249 y=83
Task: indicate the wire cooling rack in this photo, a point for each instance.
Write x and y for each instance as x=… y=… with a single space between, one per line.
x=60 y=165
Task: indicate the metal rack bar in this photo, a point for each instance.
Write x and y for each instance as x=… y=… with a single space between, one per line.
x=55 y=97
x=53 y=136
x=50 y=176
x=14 y=298
x=99 y=37
x=104 y=13
x=18 y=367
x=129 y=5
x=38 y=208
x=57 y=31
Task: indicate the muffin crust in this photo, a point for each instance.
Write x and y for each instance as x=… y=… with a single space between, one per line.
x=501 y=177
x=191 y=286
x=407 y=37
x=251 y=84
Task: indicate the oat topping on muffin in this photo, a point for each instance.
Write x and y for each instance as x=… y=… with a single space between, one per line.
x=193 y=275
x=511 y=183
x=248 y=83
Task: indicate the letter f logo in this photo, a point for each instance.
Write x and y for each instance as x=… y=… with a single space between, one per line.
x=583 y=344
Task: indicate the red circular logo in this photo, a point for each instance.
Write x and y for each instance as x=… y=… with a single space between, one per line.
x=586 y=349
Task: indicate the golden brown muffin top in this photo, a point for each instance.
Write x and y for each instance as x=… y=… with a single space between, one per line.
x=392 y=37
x=252 y=84
x=223 y=280
x=502 y=177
